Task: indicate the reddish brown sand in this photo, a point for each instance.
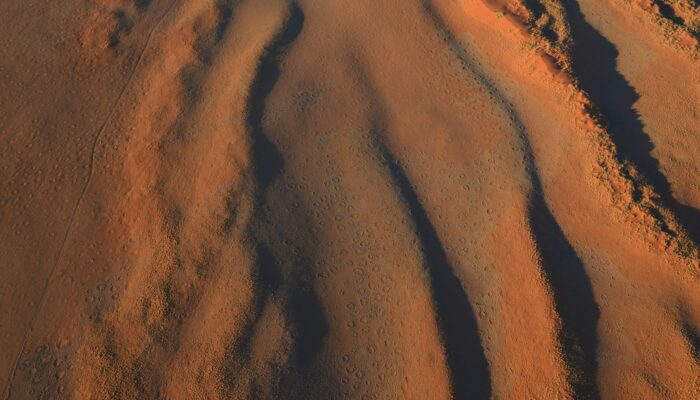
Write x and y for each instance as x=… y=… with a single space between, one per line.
x=367 y=199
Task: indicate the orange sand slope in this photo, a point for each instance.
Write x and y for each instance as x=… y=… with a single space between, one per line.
x=368 y=199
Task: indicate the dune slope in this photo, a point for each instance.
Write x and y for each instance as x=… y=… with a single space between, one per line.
x=313 y=199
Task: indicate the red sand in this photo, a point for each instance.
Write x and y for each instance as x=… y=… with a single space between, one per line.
x=317 y=199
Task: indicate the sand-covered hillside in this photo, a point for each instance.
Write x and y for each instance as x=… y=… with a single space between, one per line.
x=367 y=199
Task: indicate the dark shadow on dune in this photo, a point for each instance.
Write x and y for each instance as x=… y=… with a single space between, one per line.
x=693 y=339
x=469 y=370
x=224 y=9
x=124 y=25
x=571 y=288
x=595 y=64
x=142 y=5
x=538 y=9
x=269 y=67
x=206 y=44
x=311 y=325
x=266 y=281
x=688 y=216
x=267 y=159
x=268 y=277
x=573 y=297
x=303 y=308
x=668 y=13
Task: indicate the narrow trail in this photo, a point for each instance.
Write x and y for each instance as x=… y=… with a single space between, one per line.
x=83 y=191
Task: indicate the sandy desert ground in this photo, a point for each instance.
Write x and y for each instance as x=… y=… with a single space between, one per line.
x=367 y=199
